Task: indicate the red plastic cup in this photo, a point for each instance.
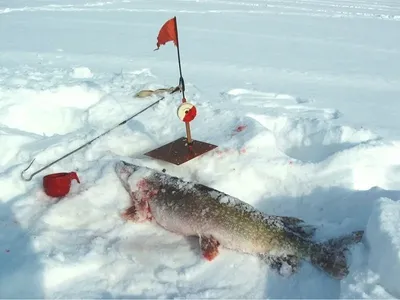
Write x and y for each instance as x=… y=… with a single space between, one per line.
x=58 y=184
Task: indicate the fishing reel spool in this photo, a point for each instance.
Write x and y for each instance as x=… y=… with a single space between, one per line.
x=186 y=112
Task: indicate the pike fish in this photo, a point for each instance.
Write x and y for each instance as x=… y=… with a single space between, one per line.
x=221 y=220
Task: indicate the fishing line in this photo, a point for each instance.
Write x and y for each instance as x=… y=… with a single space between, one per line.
x=87 y=143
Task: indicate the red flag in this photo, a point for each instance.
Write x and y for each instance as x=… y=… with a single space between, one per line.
x=167 y=33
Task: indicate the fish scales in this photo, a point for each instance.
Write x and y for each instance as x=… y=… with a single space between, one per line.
x=232 y=222
x=221 y=220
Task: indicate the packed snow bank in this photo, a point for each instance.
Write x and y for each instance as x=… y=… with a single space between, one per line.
x=56 y=110
x=383 y=237
x=375 y=268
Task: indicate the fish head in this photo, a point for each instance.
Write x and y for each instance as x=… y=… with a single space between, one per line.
x=137 y=180
x=123 y=167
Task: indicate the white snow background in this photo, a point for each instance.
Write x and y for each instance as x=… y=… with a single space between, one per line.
x=315 y=85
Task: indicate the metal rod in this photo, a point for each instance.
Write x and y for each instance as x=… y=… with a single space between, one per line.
x=86 y=144
x=181 y=81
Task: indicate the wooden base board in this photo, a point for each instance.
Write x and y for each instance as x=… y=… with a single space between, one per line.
x=177 y=152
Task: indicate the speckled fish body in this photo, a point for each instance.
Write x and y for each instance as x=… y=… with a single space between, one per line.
x=218 y=219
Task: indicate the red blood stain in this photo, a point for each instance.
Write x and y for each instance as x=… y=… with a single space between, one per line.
x=210 y=255
x=241 y=128
x=221 y=153
x=147 y=194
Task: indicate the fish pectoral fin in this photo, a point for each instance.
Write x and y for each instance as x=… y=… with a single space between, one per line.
x=285 y=265
x=209 y=247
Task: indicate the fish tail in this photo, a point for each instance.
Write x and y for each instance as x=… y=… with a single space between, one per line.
x=330 y=256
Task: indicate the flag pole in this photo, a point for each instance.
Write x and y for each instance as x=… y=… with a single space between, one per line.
x=182 y=149
x=182 y=83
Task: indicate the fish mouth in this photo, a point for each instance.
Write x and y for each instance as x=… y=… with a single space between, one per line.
x=123 y=167
x=124 y=170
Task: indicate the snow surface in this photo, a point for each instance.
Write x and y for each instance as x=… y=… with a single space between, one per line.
x=300 y=96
